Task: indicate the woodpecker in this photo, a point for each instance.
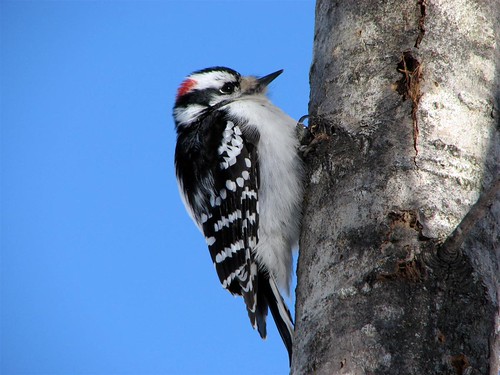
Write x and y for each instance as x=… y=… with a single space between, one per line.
x=241 y=179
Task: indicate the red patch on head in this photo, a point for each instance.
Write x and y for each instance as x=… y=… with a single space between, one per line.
x=185 y=87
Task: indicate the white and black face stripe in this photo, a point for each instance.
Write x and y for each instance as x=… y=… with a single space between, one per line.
x=202 y=90
x=214 y=77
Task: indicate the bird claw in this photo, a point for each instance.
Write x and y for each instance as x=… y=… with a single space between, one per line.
x=304 y=136
x=303 y=133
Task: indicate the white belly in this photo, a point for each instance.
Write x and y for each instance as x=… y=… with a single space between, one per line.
x=281 y=186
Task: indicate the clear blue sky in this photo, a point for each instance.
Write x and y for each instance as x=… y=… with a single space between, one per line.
x=102 y=271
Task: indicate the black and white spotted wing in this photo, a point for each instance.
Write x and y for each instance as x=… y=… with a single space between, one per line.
x=218 y=173
x=231 y=225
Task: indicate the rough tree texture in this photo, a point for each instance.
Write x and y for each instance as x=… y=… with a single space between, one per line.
x=405 y=106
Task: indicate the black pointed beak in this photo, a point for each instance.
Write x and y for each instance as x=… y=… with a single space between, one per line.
x=266 y=80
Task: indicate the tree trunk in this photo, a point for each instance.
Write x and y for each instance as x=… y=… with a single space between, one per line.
x=399 y=268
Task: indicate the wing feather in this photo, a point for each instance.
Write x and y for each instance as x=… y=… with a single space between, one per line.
x=219 y=181
x=234 y=218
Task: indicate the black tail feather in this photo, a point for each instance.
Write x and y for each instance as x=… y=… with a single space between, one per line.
x=269 y=296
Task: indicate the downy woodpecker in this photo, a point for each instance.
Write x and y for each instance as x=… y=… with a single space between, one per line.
x=241 y=180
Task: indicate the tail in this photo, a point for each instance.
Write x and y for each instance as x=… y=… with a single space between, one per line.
x=268 y=295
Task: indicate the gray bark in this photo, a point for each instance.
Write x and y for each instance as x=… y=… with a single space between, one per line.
x=399 y=268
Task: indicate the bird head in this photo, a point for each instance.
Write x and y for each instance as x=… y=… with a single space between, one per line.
x=211 y=88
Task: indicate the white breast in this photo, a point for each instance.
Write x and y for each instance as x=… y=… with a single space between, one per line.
x=281 y=187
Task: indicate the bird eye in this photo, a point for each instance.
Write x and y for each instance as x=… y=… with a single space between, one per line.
x=228 y=88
